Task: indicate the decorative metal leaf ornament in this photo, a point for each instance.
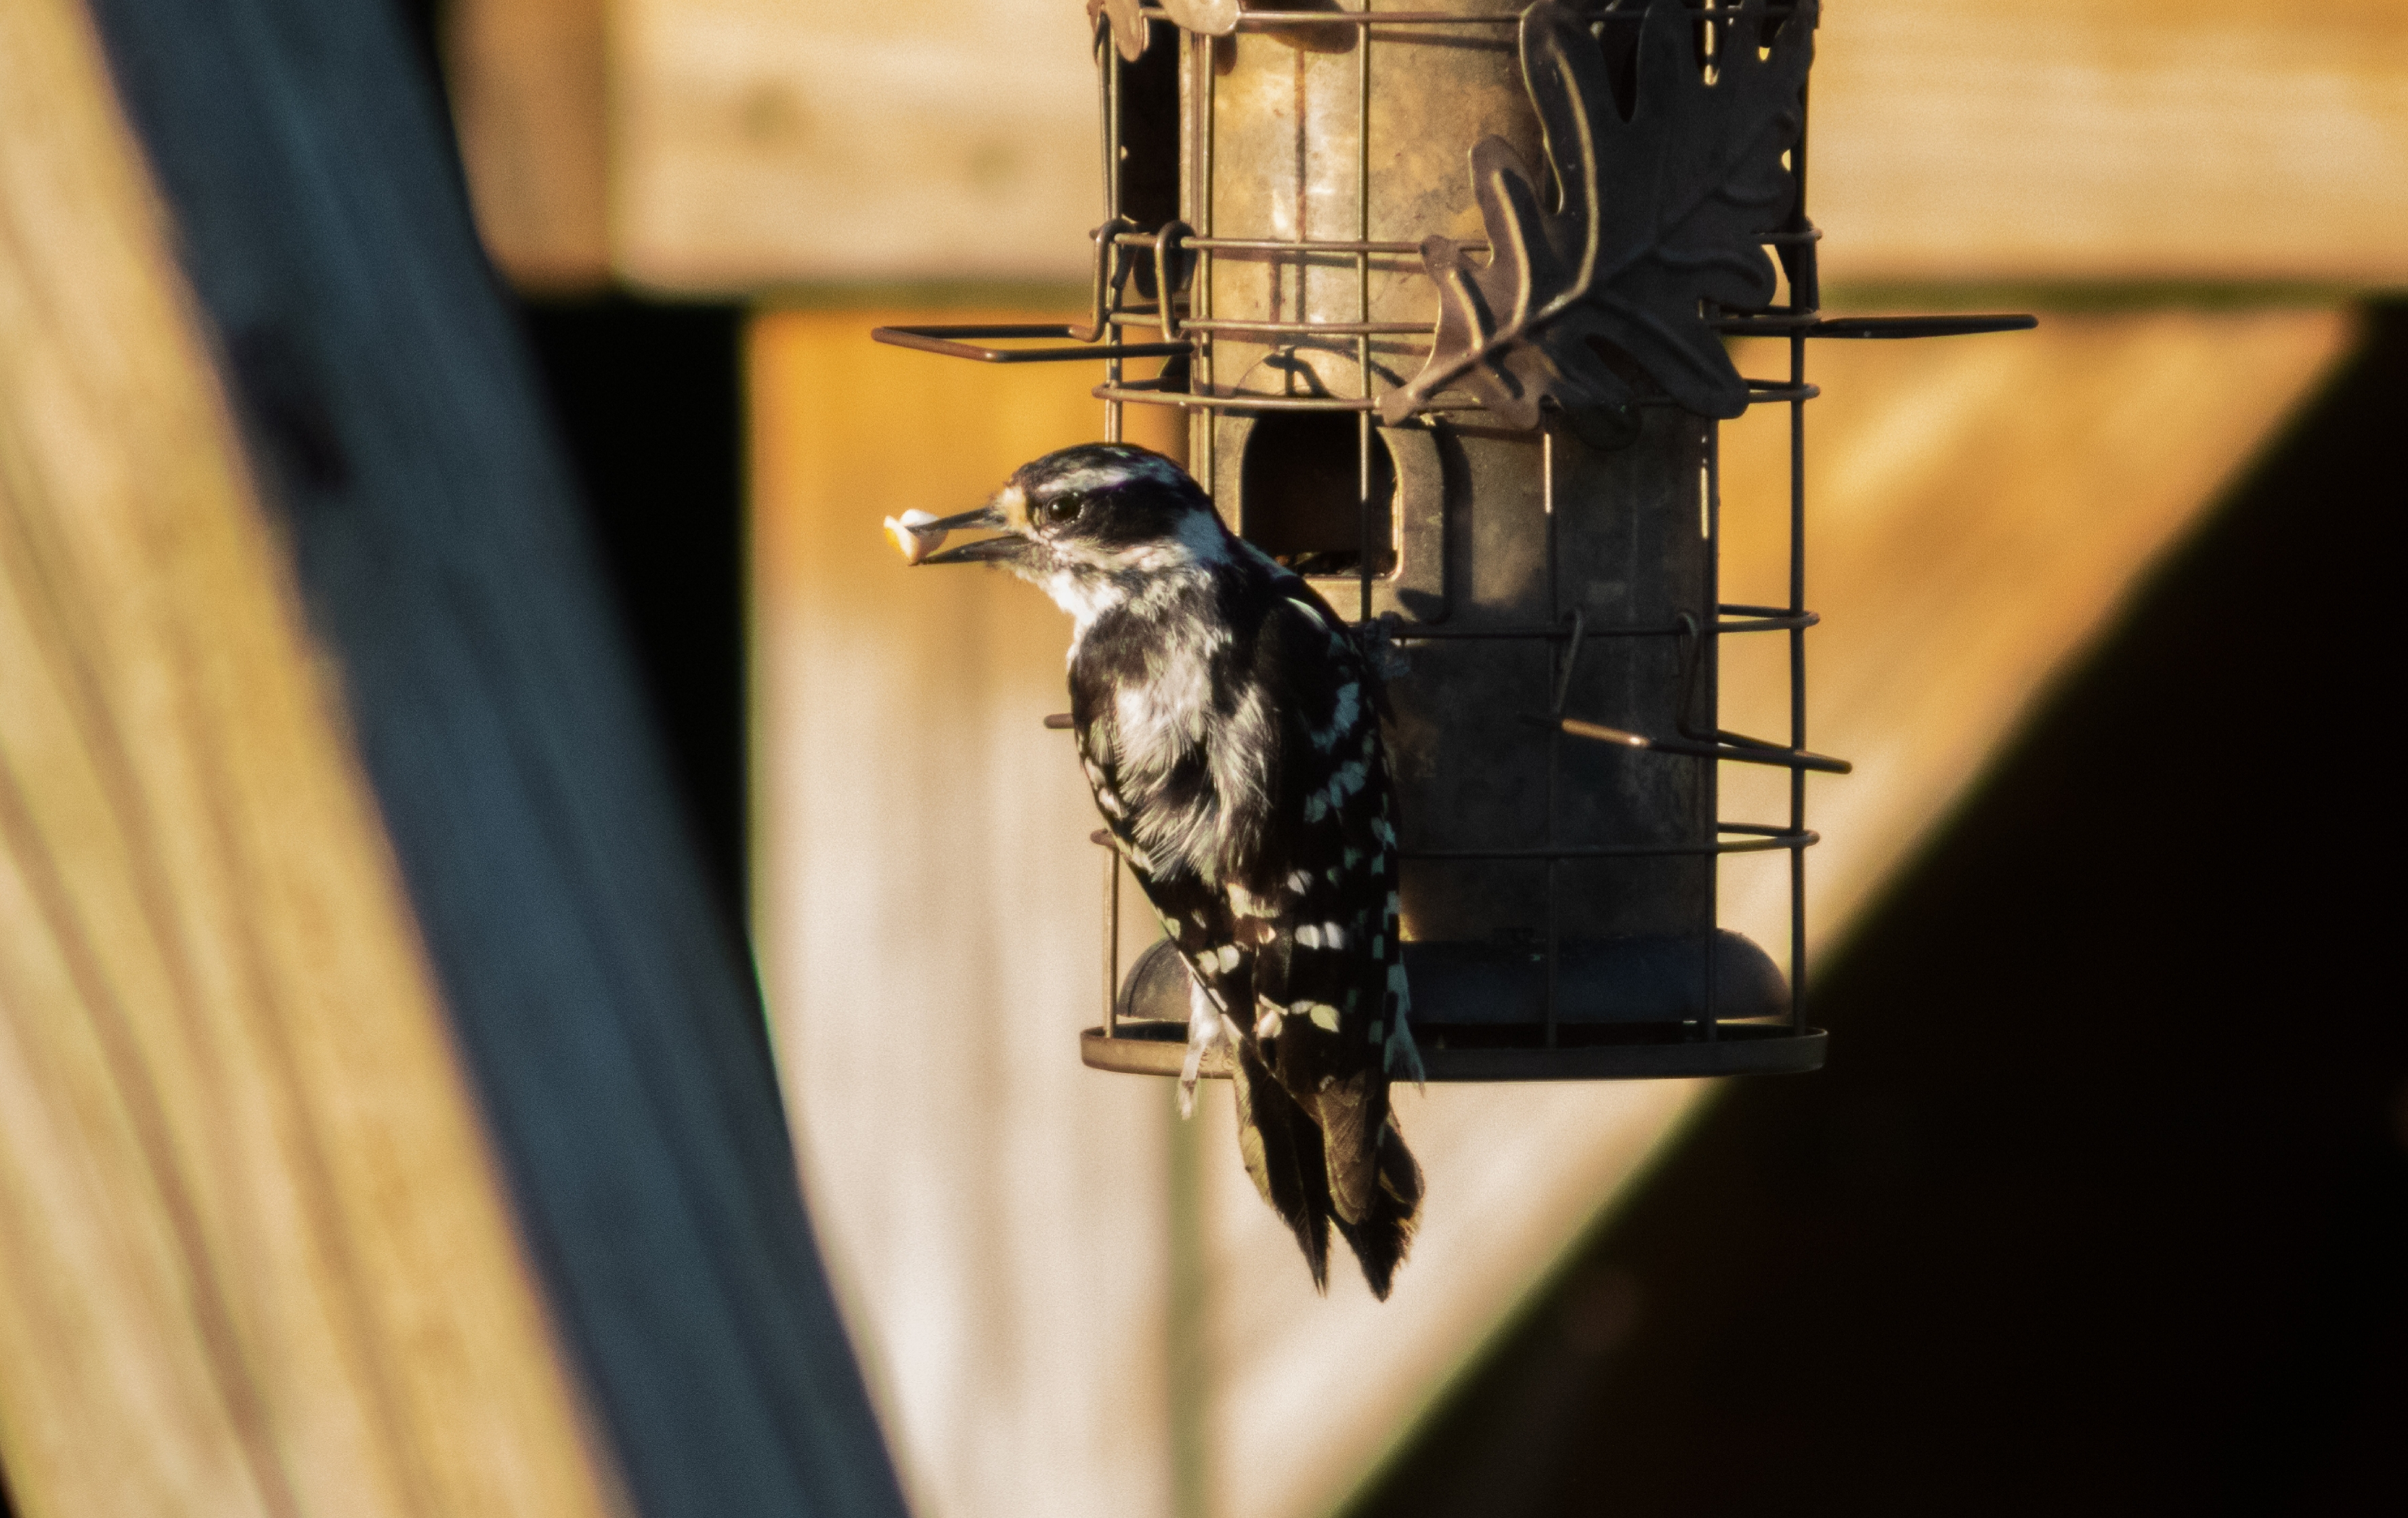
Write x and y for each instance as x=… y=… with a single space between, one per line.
x=1580 y=306
x=1214 y=17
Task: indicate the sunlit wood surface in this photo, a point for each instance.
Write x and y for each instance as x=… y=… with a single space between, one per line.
x=996 y=1214
x=1978 y=507
x=993 y=1212
x=2066 y=139
x=254 y=1253
x=758 y=142
x=529 y=86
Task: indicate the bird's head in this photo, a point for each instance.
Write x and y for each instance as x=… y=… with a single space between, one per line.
x=1090 y=524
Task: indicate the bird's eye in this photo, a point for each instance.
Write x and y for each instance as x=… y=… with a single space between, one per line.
x=1061 y=510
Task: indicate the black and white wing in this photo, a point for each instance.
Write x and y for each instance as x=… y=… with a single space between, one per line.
x=1318 y=904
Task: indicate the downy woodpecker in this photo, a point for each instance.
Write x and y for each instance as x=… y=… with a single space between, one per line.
x=1230 y=730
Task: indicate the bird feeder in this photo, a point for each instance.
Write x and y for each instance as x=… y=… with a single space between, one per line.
x=1444 y=293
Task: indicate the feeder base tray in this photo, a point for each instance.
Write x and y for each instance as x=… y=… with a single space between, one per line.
x=1492 y=1051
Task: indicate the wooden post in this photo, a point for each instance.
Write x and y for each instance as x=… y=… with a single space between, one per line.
x=386 y=1122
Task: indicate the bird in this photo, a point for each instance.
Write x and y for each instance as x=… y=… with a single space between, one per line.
x=1228 y=724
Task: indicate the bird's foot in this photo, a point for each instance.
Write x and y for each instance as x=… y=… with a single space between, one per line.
x=1205 y=1027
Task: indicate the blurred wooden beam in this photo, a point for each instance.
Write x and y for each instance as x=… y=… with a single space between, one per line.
x=527 y=81
x=753 y=143
x=329 y=814
x=1979 y=511
x=762 y=142
x=255 y=1254
x=996 y=1213
x=2212 y=140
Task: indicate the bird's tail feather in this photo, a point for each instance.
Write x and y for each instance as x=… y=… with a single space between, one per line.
x=1337 y=1160
x=1351 y=1113
x=1375 y=1186
x=1282 y=1147
x=1385 y=1229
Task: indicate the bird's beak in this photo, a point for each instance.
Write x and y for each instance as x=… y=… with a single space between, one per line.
x=986 y=550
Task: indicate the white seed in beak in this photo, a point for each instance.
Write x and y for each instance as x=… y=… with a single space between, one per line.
x=911 y=534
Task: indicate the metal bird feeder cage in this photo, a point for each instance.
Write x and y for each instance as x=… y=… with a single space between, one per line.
x=1479 y=411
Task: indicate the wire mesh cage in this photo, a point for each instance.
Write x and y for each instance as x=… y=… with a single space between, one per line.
x=1482 y=412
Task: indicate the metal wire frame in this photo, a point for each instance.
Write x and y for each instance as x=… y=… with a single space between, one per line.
x=1564 y=633
x=1192 y=332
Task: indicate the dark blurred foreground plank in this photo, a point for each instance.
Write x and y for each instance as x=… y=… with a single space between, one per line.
x=316 y=730
x=256 y=1257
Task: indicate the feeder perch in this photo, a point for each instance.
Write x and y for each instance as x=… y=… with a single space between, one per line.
x=1444 y=293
